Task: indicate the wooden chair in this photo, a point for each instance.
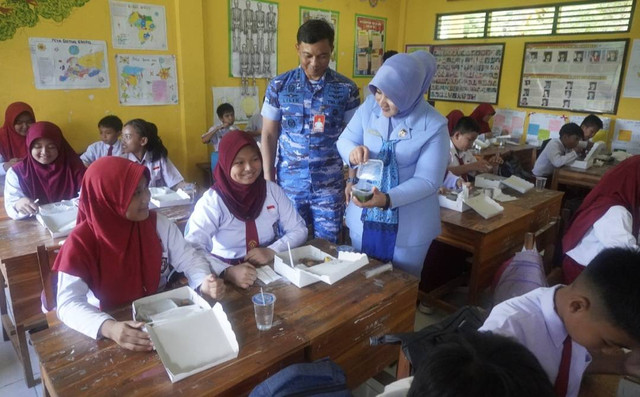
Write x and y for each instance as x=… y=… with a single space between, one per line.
x=46 y=258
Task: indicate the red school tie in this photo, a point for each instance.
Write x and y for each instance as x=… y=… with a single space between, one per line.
x=461 y=162
x=110 y=152
x=562 y=380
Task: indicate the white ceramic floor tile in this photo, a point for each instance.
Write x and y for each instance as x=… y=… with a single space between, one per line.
x=10 y=368
x=17 y=389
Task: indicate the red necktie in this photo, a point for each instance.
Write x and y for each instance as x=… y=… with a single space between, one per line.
x=562 y=381
x=110 y=152
x=461 y=162
x=251 y=235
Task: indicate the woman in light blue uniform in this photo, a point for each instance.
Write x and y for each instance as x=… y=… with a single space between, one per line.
x=397 y=126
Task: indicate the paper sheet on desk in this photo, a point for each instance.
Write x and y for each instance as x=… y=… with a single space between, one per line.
x=267 y=275
x=501 y=197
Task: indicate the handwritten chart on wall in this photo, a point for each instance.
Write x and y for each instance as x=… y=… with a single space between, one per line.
x=510 y=122
x=626 y=136
x=543 y=126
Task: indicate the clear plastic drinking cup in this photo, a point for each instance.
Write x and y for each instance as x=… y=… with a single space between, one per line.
x=263 y=305
x=540 y=183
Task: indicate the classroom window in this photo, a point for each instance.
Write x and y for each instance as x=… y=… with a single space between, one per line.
x=459 y=26
x=600 y=17
x=613 y=16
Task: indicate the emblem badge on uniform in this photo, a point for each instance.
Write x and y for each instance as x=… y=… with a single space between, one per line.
x=402 y=133
x=318 y=123
x=252 y=244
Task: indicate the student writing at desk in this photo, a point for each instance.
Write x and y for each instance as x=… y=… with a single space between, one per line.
x=559 y=152
x=240 y=218
x=51 y=172
x=119 y=252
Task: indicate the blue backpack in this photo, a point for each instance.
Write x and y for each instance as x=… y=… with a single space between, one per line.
x=319 y=378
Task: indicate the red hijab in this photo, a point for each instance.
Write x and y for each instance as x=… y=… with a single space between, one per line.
x=478 y=115
x=119 y=259
x=454 y=116
x=619 y=186
x=59 y=180
x=12 y=144
x=244 y=201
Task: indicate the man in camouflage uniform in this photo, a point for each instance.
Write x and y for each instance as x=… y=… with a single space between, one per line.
x=304 y=112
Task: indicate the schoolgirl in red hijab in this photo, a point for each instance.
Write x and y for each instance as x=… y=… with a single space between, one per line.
x=620 y=188
x=480 y=114
x=12 y=140
x=118 y=251
x=452 y=120
x=240 y=219
x=51 y=172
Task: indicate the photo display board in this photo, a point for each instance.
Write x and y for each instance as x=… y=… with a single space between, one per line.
x=577 y=76
x=370 y=38
x=467 y=73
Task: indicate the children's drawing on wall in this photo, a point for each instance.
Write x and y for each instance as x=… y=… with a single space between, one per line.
x=138 y=26
x=253 y=42
x=147 y=79
x=244 y=105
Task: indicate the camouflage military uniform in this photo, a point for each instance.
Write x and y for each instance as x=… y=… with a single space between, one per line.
x=308 y=165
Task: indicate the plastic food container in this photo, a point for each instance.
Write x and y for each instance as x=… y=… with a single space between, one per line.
x=369 y=175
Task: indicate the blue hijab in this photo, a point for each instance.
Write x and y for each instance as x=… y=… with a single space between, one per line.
x=405 y=78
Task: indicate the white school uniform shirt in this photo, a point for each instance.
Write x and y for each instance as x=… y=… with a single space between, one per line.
x=467 y=158
x=74 y=299
x=215 y=138
x=100 y=149
x=613 y=229
x=2 y=171
x=531 y=319
x=12 y=193
x=554 y=155
x=163 y=172
x=214 y=229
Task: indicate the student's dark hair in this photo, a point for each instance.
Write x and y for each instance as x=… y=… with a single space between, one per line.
x=315 y=30
x=224 y=108
x=466 y=125
x=592 y=121
x=112 y=122
x=149 y=130
x=571 y=129
x=388 y=54
x=613 y=276
x=480 y=364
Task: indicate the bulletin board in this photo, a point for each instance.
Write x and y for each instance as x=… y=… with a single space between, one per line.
x=510 y=122
x=371 y=33
x=330 y=16
x=626 y=136
x=467 y=73
x=579 y=76
x=409 y=48
x=543 y=126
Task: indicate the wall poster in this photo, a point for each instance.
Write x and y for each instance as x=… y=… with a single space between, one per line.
x=578 y=76
x=371 y=33
x=138 y=26
x=330 y=16
x=626 y=136
x=467 y=73
x=543 y=126
x=253 y=40
x=147 y=79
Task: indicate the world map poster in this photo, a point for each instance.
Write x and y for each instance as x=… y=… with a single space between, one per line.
x=138 y=26
x=147 y=80
x=61 y=64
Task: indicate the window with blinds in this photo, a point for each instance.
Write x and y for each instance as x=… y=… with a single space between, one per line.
x=574 y=18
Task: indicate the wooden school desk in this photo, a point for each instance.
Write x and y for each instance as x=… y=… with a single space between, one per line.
x=491 y=241
x=19 y=272
x=309 y=323
x=570 y=176
x=525 y=153
x=545 y=205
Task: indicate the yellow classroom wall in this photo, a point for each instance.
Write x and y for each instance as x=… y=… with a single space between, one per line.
x=197 y=33
x=420 y=21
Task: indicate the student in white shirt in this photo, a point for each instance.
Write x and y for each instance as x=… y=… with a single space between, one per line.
x=119 y=252
x=51 y=172
x=559 y=152
x=463 y=164
x=141 y=143
x=608 y=217
x=110 y=128
x=590 y=127
x=227 y=116
x=244 y=219
x=478 y=364
x=587 y=322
